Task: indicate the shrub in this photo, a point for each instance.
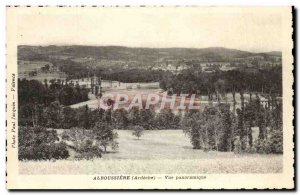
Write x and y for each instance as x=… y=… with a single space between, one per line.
x=59 y=150
x=137 y=131
x=250 y=149
x=195 y=138
x=65 y=135
x=44 y=152
x=38 y=143
x=83 y=143
x=273 y=144
x=115 y=144
x=275 y=141
x=237 y=145
x=261 y=146
x=89 y=151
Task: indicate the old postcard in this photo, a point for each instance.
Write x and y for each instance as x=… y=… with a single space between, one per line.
x=150 y=98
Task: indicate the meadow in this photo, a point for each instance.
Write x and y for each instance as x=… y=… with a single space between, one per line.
x=158 y=152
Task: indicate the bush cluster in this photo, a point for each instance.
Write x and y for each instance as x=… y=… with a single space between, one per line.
x=38 y=143
x=273 y=144
x=89 y=151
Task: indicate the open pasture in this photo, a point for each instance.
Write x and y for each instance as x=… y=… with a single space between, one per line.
x=158 y=152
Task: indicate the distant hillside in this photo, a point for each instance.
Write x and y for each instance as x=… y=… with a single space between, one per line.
x=273 y=53
x=133 y=54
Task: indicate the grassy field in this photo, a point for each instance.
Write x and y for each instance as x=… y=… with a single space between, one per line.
x=158 y=152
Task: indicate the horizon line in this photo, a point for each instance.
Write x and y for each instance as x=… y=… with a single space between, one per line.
x=66 y=45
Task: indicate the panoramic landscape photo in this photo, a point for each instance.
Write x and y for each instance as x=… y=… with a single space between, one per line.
x=137 y=110
x=152 y=90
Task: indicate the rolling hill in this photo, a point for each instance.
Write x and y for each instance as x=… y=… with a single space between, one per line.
x=133 y=54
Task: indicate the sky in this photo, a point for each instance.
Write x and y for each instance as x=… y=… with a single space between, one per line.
x=250 y=29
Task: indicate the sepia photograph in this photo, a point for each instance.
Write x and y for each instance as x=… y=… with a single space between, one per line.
x=162 y=95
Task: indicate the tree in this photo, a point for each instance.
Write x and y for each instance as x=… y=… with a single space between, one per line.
x=147 y=118
x=210 y=129
x=68 y=118
x=177 y=120
x=260 y=119
x=193 y=125
x=105 y=136
x=96 y=90
x=83 y=117
x=213 y=125
x=134 y=116
x=164 y=119
x=53 y=115
x=138 y=131
x=120 y=119
x=250 y=119
x=224 y=125
x=82 y=142
x=46 y=83
x=241 y=133
x=220 y=88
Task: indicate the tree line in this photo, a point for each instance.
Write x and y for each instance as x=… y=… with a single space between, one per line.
x=37 y=100
x=75 y=70
x=64 y=117
x=218 y=84
x=218 y=128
